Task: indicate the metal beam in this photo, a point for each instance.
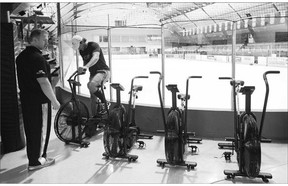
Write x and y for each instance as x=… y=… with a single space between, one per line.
x=163 y=62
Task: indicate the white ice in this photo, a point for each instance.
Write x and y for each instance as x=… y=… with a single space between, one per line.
x=208 y=93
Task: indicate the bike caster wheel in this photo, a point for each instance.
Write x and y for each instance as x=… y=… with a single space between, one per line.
x=230 y=176
x=161 y=164
x=265 y=180
x=106 y=157
x=141 y=144
x=84 y=144
x=193 y=148
x=190 y=166
x=131 y=159
x=227 y=156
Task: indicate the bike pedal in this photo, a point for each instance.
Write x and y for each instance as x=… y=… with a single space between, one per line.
x=193 y=148
x=227 y=156
x=141 y=144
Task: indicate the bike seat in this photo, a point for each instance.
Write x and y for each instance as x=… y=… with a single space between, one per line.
x=172 y=87
x=117 y=86
x=247 y=89
x=137 y=88
x=183 y=96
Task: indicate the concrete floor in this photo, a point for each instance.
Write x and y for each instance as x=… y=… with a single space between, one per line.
x=86 y=165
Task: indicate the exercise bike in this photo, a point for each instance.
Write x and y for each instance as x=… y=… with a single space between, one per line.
x=121 y=132
x=176 y=135
x=247 y=136
x=72 y=119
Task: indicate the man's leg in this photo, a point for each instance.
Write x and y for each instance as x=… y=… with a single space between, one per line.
x=93 y=104
x=32 y=117
x=95 y=83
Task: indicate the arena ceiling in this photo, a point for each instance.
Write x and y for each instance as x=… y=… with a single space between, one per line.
x=176 y=16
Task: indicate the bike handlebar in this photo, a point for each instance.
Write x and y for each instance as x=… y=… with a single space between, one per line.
x=194 y=77
x=140 y=77
x=155 y=72
x=225 y=78
x=270 y=72
x=266 y=97
x=76 y=74
x=160 y=96
x=236 y=82
x=159 y=73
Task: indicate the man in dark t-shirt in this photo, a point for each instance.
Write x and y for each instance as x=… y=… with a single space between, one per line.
x=35 y=93
x=93 y=60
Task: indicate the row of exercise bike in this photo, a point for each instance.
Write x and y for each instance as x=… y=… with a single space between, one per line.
x=72 y=123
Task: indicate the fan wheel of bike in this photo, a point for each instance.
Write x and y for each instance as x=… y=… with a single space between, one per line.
x=112 y=138
x=173 y=147
x=252 y=147
x=66 y=121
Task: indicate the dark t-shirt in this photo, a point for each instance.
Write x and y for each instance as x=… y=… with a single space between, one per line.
x=87 y=54
x=30 y=66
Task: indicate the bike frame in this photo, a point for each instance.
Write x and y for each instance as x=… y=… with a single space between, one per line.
x=131 y=111
x=239 y=134
x=73 y=84
x=186 y=107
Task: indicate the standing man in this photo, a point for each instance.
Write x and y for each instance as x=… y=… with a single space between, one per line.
x=93 y=60
x=35 y=94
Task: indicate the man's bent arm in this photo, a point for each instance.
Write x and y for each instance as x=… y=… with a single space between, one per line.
x=93 y=60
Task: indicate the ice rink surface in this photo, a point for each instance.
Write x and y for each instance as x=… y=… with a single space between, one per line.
x=208 y=93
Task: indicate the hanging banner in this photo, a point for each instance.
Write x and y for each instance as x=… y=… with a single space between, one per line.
x=267 y=20
x=277 y=17
x=246 y=23
x=258 y=22
x=272 y=19
x=262 y=21
x=226 y=25
x=239 y=24
x=253 y=22
x=215 y=28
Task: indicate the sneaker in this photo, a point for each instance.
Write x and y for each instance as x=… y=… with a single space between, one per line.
x=45 y=162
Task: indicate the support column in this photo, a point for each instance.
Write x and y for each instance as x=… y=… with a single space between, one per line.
x=163 y=63
x=109 y=55
x=233 y=63
x=77 y=52
x=60 y=45
x=233 y=49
